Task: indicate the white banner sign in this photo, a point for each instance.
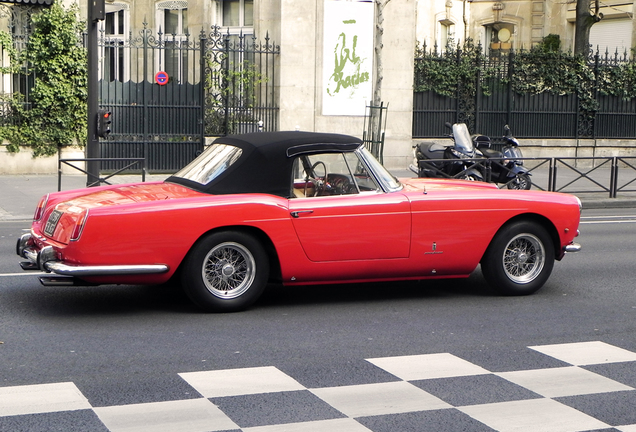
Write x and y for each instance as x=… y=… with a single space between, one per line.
x=347 y=57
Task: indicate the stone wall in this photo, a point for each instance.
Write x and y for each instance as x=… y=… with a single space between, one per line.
x=298 y=27
x=23 y=161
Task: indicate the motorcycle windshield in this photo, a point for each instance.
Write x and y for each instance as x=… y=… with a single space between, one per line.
x=512 y=153
x=463 y=143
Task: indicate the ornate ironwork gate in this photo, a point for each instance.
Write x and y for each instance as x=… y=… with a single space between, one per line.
x=220 y=84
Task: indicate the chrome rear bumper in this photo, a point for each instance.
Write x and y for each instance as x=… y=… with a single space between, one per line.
x=46 y=260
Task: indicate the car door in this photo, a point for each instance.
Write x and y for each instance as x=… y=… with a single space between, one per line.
x=353 y=222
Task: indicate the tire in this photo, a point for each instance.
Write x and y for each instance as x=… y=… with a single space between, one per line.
x=519 y=259
x=225 y=272
x=521 y=182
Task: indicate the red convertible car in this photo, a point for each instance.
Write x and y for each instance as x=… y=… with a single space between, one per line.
x=298 y=208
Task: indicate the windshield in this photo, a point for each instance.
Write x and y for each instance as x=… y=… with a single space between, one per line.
x=463 y=143
x=383 y=176
x=215 y=160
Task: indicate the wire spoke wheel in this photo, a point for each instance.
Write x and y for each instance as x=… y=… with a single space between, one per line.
x=225 y=271
x=519 y=259
x=228 y=270
x=524 y=258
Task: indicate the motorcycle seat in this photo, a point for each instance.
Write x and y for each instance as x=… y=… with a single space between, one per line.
x=491 y=153
x=426 y=147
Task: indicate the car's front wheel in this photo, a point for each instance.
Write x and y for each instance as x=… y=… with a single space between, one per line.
x=225 y=271
x=519 y=259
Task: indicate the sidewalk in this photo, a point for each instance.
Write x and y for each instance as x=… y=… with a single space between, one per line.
x=19 y=194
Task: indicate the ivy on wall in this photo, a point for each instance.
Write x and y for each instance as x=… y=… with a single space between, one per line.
x=56 y=111
x=542 y=69
x=442 y=73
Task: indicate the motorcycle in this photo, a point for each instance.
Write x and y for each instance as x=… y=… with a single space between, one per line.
x=506 y=166
x=448 y=161
x=470 y=158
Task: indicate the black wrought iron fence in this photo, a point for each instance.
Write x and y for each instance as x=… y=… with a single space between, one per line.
x=215 y=84
x=609 y=176
x=168 y=92
x=487 y=102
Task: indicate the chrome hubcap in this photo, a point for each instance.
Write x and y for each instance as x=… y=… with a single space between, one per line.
x=228 y=270
x=524 y=258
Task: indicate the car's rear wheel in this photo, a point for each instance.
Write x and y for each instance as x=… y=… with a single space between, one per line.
x=225 y=271
x=519 y=259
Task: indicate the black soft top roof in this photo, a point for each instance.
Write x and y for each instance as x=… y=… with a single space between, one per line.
x=265 y=165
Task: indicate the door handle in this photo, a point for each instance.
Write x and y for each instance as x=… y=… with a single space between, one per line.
x=296 y=213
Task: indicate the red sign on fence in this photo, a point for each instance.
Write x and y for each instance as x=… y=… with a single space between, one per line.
x=161 y=78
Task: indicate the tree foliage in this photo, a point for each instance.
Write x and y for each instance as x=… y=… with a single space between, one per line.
x=56 y=111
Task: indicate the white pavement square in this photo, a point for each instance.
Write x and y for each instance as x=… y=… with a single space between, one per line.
x=41 y=398
x=427 y=366
x=337 y=425
x=565 y=381
x=586 y=353
x=234 y=382
x=193 y=415
x=545 y=415
x=378 y=399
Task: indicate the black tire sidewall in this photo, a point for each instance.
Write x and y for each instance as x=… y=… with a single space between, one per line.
x=492 y=265
x=525 y=178
x=192 y=280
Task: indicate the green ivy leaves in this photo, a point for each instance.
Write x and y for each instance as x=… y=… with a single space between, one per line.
x=541 y=69
x=56 y=112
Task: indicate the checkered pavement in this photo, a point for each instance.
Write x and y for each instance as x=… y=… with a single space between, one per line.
x=431 y=392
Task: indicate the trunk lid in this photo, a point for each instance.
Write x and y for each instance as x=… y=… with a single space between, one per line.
x=64 y=221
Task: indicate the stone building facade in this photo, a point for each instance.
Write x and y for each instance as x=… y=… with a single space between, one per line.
x=299 y=27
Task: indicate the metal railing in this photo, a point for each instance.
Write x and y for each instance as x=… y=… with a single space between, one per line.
x=609 y=175
x=92 y=179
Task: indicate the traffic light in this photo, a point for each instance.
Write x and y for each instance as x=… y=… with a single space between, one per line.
x=97 y=10
x=103 y=122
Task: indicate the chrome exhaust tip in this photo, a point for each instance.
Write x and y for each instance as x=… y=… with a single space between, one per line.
x=28 y=265
x=57 y=281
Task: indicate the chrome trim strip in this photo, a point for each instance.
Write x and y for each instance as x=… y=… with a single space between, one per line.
x=105 y=270
x=572 y=248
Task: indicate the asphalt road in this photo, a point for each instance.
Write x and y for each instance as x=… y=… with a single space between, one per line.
x=124 y=345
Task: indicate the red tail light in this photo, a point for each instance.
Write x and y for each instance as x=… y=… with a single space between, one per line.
x=80 y=222
x=39 y=210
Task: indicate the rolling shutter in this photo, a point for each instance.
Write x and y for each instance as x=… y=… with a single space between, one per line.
x=610 y=35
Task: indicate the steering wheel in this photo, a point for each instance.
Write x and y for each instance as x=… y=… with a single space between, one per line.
x=319 y=184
